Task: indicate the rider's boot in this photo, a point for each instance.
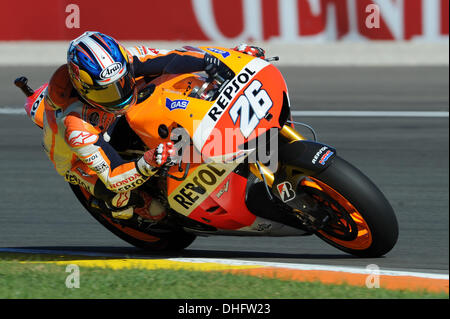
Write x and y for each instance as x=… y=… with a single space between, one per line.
x=125 y=205
x=136 y=202
x=152 y=209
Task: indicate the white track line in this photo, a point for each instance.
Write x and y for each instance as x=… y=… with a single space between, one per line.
x=370 y=113
x=355 y=270
x=236 y=262
x=12 y=111
x=21 y=111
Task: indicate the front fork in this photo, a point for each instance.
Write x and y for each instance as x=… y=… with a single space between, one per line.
x=288 y=133
x=284 y=183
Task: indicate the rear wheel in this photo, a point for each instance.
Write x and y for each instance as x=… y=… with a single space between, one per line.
x=151 y=241
x=361 y=221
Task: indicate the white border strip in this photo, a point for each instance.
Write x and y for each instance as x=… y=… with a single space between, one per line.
x=60 y=252
x=12 y=111
x=370 y=113
x=433 y=114
x=354 y=270
x=324 y=54
x=236 y=262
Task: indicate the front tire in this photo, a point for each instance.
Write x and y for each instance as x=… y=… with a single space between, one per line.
x=363 y=222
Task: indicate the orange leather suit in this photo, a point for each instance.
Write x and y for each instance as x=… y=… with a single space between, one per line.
x=76 y=134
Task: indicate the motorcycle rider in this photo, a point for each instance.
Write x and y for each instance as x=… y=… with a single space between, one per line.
x=83 y=99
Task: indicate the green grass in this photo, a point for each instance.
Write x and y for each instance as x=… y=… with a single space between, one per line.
x=47 y=281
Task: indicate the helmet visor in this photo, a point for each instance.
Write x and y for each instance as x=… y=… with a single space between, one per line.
x=112 y=97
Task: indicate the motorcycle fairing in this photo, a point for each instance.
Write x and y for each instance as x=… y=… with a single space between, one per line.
x=201 y=118
x=199 y=184
x=225 y=207
x=250 y=104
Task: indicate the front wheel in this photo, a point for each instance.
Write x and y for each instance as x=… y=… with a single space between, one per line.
x=361 y=220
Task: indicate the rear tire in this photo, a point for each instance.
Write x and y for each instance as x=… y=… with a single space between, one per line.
x=345 y=184
x=148 y=241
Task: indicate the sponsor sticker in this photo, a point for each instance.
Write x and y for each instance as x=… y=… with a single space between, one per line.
x=36 y=104
x=78 y=138
x=176 y=104
x=224 y=54
x=225 y=99
x=317 y=155
x=123 y=199
x=229 y=93
x=198 y=186
x=131 y=182
x=90 y=159
x=286 y=191
x=325 y=157
x=223 y=190
x=111 y=70
x=101 y=168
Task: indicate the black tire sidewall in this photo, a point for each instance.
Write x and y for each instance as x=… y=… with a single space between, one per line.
x=370 y=202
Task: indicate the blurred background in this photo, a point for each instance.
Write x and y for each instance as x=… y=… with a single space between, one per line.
x=259 y=20
x=312 y=32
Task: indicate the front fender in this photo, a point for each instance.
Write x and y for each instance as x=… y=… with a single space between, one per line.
x=297 y=160
x=308 y=156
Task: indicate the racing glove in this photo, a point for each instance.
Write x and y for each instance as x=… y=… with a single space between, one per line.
x=214 y=66
x=251 y=50
x=156 y=158
x=211 y=60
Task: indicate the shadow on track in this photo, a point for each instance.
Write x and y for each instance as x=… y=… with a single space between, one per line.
x=131 y=252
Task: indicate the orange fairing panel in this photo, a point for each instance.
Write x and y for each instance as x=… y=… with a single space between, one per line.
x=201 y=182
x=249 y=104
x=169 y=105
x=225 y=208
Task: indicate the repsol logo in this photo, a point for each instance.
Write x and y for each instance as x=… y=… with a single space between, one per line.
x=111 y=70
x=230 y=92
x=90 y=159
x=316 y=157
x=35 y=105
x=100 y=168
x=204 y=178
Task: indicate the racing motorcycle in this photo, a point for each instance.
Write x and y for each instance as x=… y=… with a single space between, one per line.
x=303 y=188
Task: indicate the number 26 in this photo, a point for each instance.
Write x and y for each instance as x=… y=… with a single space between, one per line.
x=254 y=99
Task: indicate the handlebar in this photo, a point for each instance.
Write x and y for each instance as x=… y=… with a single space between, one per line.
x=274 y=58
x=22 y=83
x=220 y=78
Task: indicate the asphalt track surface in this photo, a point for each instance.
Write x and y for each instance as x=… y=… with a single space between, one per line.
x=407 y=157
